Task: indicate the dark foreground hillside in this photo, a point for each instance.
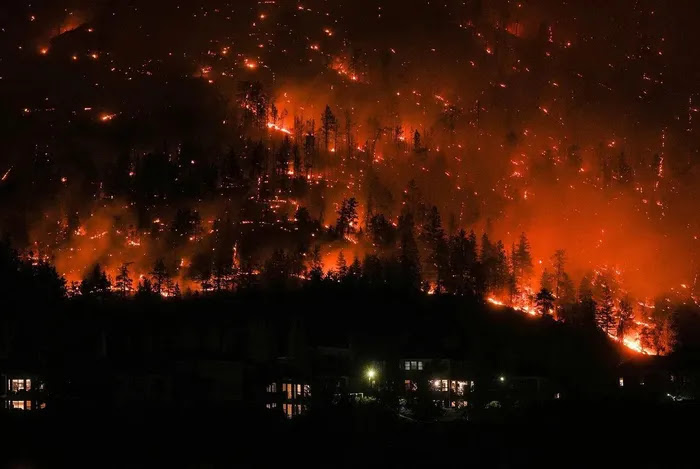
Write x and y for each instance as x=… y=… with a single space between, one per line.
x=380 y=378
x=587 y=435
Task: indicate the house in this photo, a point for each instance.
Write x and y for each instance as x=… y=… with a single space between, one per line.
x=446 y=380
x=288 y=396
x=23 y=391
x=656 y=377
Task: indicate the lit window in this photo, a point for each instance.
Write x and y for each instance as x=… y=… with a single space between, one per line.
x=622 y=382
x=414 y=365
x=307 y=390
x=462 y=387
x=18 y=405
x=28 y=384
x=420 y=365
x=407 y=365
x=290 y=391
x=288 y=410
x=441 y=385
x=18 y=385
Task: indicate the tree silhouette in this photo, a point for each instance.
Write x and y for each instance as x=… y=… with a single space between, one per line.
x=254 y=101
x=500 y=270
x=355 y=270
x=316 y=273
x=436 y=258
x=626 y=319
x=646 y=338
x=417 y=145
x=605 y=312
x=277 y=270
x=284 y=154
x=558 y=262
x=341 y=265
x=587 y=308
x=96 y=283
x=349 y=134
x=544 y=301
x=463 y=262
x=382 y=231
x=329 y=126
x=522 y=259
x=347 y=222
x=145 y=289
x=409 y=258
x=160 y=277
x=123 y=282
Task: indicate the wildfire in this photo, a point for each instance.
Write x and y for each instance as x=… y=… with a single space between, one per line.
x=99 y=235
x=273 y=126
x=630 y=343
x=342 y=69
x=496 y=302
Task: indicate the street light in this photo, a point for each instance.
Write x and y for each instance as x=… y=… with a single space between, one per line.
x=371 y=374
x=502 y=379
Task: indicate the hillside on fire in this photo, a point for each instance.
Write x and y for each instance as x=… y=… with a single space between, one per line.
x=462 y=214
